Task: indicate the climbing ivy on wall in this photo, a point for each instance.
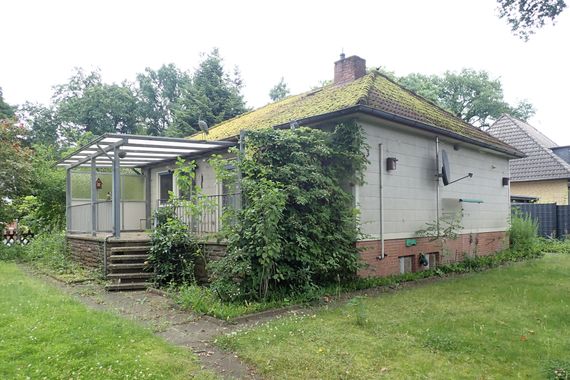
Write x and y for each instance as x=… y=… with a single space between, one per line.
x=297 y=229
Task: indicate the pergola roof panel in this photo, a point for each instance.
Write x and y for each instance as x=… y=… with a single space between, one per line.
x=140 y=150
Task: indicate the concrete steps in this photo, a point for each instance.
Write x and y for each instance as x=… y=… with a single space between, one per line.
x=128 y=268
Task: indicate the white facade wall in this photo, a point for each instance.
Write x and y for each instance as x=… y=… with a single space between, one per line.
x=410 y=191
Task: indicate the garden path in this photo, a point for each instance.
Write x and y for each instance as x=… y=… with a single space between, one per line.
x=178 y=327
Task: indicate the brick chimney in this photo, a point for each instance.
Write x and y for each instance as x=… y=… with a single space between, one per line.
x=348 y=69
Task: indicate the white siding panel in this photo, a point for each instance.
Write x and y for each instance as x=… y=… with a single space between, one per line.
x=410 y=190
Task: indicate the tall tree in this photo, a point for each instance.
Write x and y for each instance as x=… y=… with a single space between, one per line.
x=279 y=91
x=47 y=190
x=213 y=96
x=526 y=16
x=470 y=95
x=6 y=111
x=86 y=104
x=42 y=123
x=15 y=166
x=158 y=92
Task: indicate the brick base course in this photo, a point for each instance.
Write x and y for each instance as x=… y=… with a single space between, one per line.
x=88 y=252
x=474 y=244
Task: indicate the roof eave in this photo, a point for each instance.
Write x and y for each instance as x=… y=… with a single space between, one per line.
x=514 y=153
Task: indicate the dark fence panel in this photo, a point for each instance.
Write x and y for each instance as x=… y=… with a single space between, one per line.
x=563 y=221
x=553 y=220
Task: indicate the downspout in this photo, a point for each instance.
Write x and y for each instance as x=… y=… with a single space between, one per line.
x=437 y=175
x=381 y=189
x=105 y=256
x=68 y=198
x=239 y=176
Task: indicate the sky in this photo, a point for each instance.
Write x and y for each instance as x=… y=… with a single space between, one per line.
x=299 y=40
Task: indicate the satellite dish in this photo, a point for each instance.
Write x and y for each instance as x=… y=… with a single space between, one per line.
x=446 y=171
x=203 y=126
x=445 y=168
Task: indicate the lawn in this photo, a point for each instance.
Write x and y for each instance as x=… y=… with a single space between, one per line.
x=47 y=335
x=509 y=322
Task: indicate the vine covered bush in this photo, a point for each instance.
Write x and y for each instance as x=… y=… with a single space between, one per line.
x=297 y=229
x=173 y=250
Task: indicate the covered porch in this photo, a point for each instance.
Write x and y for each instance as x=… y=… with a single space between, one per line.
x=108 y=185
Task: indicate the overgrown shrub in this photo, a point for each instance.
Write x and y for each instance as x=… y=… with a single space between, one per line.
x=523 y=232
x=173 y=250
x=550 y=245
x=297 y=229
x=49 y=249
x=13 y=252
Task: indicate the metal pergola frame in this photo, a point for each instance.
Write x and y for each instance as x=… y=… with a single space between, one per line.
x=118 y=151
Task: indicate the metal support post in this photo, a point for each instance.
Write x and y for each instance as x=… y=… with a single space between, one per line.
x=93 y=198
x=116 y=193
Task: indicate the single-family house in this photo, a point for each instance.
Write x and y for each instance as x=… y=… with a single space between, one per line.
x=544 y=173
x=426 y=166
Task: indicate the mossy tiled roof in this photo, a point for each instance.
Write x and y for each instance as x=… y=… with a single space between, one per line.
x=373 y=90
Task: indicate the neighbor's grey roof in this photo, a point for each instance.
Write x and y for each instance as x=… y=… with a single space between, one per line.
x=540 y=163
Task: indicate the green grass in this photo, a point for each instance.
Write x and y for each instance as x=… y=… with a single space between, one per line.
x=203 y=300
x=508 y=322
x=206 y=301
x=47 y=335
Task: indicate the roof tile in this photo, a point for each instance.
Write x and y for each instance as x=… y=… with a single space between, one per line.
x=541 y=162
x=373 y=90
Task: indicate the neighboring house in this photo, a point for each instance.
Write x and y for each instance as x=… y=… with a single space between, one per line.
x=403 y=191
x=544 y=172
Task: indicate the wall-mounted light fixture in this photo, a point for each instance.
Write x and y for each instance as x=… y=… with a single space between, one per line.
x=391 y=163
x=505 y=181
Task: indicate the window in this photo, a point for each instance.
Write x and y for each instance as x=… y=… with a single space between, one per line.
x=432 y=260
x=406 y=264
x=165 y=184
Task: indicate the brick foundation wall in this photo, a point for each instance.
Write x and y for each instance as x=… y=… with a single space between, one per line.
x=479 y=244
x=88 y=251
x=213 y=252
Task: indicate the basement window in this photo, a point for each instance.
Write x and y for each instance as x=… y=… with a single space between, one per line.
x=406 y=264
x=432 y=260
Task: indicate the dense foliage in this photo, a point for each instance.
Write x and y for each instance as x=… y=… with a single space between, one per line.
x=213 y=96
x=173 y=250
x=165 y=101
x=47 y=251
x=523 y=233
x=471 y=95
x=6 y=111
x=279 y=91
x=298 y=228
x=15 y=167
x=526 y=16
